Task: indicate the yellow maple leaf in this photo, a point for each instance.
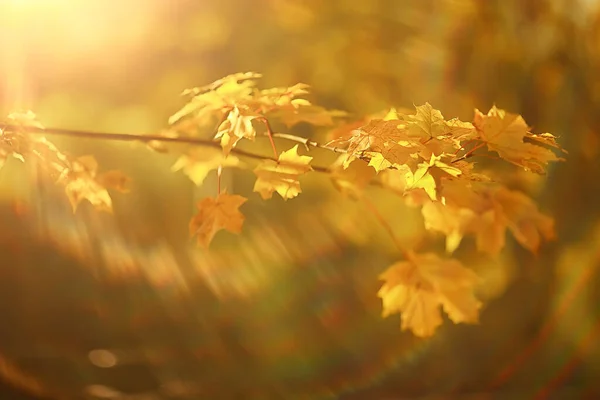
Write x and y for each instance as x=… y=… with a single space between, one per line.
x=83 y=183
x=452 y=221
x=487 y=213
x=237 y=126
x=341 y=133
x=306 y=112
x=430 y=124
x=417 y=287
x=216 y=97
x=504 y=133
x=437 y=135
x=215 y=214
x=352 y=180
x=523 y=219
x=281 y=176
x=276 y=98
x=385 y=143
x=422 y=177
x=200 y=161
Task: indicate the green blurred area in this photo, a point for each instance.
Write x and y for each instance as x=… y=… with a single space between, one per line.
x=120 y=67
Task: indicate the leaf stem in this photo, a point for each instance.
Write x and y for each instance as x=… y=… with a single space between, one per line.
x=219 y=173
x=270 y=135
x=308 y=143
x=406 y=253
x=470 y=152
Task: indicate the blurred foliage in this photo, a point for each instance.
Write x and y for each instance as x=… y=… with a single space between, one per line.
x=96 y=66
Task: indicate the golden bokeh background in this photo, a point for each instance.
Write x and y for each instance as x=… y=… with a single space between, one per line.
x=98 y=306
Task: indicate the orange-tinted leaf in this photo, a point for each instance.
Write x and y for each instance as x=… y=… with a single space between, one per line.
x=215 y=214
x=352 y=180
x=385 y=143
x=487 y=213
x=116 y=180
x=504 y=133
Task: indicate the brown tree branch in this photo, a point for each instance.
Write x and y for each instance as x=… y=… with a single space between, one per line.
x=158 y=138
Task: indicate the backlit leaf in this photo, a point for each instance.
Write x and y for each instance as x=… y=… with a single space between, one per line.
x=281 y=176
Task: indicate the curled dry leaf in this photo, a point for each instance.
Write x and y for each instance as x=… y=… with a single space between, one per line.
x=282 y=176
x=215 y=214
x=417 y=287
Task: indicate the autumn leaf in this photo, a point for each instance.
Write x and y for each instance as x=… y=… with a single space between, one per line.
x=281 y=176
x=237 y=126
x=24 y=119
x=384 y=143
x=114 y=179
x=429 y=123
x=352 y=180
x=523 y=218
x=417 y=287
x=216 y=98
x=451 y=221
x=487 y=213
x=215 y=214
x=82 y=183
x=200 y=161
x=505 y=133
x=283 y=104
x=343 y=132
x=228 y=84
x=306 y=112
x=423 y=178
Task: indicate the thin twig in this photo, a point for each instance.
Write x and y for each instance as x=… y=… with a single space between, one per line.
x=146 y=138
x=219 y=173
x=469 y=153
x=308 y=143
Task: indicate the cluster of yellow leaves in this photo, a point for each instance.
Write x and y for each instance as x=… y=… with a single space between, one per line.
x=238 y=105
x=425 y=159
x=79 y=176
x=418 y=154
x=487 y=212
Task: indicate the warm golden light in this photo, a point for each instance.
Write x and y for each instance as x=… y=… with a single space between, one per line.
x=52 y=37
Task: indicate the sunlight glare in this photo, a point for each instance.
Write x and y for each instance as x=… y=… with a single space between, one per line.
x=54 y=37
